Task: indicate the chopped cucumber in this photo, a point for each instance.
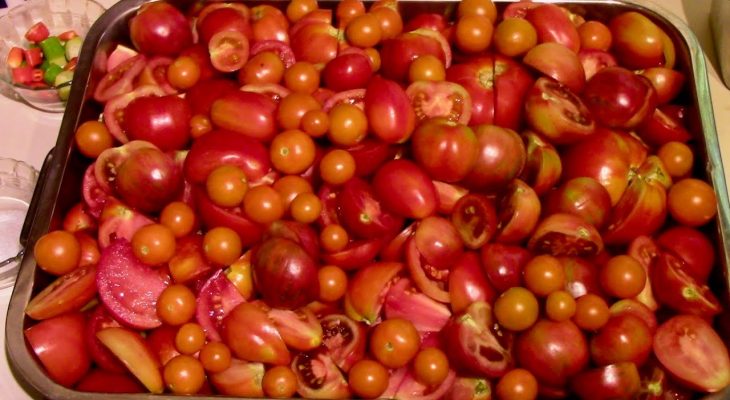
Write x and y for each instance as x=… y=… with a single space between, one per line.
x=63 y=77
x=73 y=47
x=53 y=51
x=50 y=74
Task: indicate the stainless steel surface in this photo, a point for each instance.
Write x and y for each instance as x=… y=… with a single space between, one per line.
x=720 y=25
x=61 y=188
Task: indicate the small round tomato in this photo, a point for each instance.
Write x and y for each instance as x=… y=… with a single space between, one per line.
x=623 y=277
x=431 y=366
x=332 y=283
x=364 y=31
x=517 y=384
x=183 y=73
x=263 y=204
x=560 y=306
x=514 y=37
x=226 y=185
x=337 y=167
x=348 y=125
x=427 y=68
x=179 y=218
x=92 y=138
x=394 y=342
x=516 y=309
x=297 y=9
x=315 y=123
x=594 y=35
x=264 y=67
x=306 y=208
x=302 y=77
x=333 y=238
x=215 y=357
x=176 y=304
x=190 y=338
x=349 y=9
x=184 y=375
x=280 y=382
x=484 y=8
x=368 y=379
x=474 y=33
x=57 y=252
x=544 y=274
x=222 y=245
x=391 y=23
x=293 y=107
x=292 y=152
x=153 y=244
x=200 y=125
x=692 y=202
x=591 y=312
x=677 y=158
x=291 y=186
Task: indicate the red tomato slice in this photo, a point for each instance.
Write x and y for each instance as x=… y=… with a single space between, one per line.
x=67 y=293
x=155 y=73
x=217 y=297
x=281 y=49
x=119 y=80
x=693 y=352
x=228 y=50
x=60 y=345
x=440 y=99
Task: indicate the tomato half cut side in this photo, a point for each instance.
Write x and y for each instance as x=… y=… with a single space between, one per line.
x=281 y=49
x=217 y=297
x=229 y=50
x=355 y=97
x=114 y=109
x=128 y=288
x=120 y=80
x=95 y=196
x=440 y=99
x=155 y=73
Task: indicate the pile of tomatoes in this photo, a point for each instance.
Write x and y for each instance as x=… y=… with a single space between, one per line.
x=379 y=202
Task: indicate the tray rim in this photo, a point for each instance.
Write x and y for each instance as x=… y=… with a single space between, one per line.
x=23 y=364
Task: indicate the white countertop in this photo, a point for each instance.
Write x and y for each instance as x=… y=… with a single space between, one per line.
x=27 y=134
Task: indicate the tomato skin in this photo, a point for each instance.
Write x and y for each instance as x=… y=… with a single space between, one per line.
x=501 y=156
x=253 y=337
x=678 y=290
x=67 y=293
x=620 y=380
x=398 y=53
x=553 y=25
x=468 y=284
x=477 y=76
x=57 y=252
x=447 y=151
x=346 y=72
x=388 y=108
x=101 y=381
x=60 y=344
x=163 y=121
x=160 y=29
x=624 y=338
x=258 y=109
x=692 y=246
x=405 y=189
x=368 y=379
x=225 y=147
x=394 y=342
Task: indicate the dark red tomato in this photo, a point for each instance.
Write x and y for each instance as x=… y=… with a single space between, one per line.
x=660 y=128
x=234 y=218
x=148 y=179
x=446 y=150
x=678 y=290
x=475 y=218
x=398 y=53
x=369 y=155
x=205 y=92
x=362 y=213
x=60 y=344
x=224 y=147
x=690 y=349
x=390 y=115
x=100 y=381
x=314 y=42
x=693 y=247
x=346 y=72
x=584 y=197
x=162 y=121
x=119 y=80
x=285 y=274
x=501 y=157
x=258 y=110
x=222 y=19
x=160 y=29
x=624 y=338
x=618 y=98
x=114 y=109
x=512 y=81
x=615 y=381
x=503 y=264
x=477 y=77
x=405 y=189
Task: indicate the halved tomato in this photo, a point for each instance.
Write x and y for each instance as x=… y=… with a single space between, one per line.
x=440 y=99
x=119 y=80
x=155 y=73
x=114 y=109
x=228 y=50
x=67 y=293
x=281 y=49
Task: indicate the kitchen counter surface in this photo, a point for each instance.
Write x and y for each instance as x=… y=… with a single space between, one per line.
x=27 y=134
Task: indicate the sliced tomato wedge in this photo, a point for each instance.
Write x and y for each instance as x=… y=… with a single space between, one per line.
x=67 y=293
x=229 y=50
x=155 y=73
x=440 y=99
x=120 y=80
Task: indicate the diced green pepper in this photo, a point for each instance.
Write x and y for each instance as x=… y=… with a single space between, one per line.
x=50 y=74
x=73 y=47
x=53 y=51
x=45 y=64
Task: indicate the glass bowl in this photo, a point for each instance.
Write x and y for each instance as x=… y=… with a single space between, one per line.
x=59 y=16
x=17 y=181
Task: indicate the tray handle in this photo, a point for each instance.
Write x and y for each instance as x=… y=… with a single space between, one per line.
x=35 y=200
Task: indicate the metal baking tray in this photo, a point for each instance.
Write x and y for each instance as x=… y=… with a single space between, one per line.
x=58 y=188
